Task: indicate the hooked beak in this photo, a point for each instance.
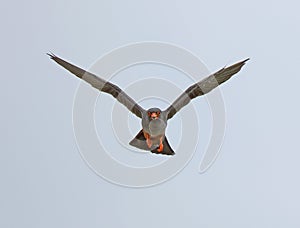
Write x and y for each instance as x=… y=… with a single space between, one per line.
x=154 y=116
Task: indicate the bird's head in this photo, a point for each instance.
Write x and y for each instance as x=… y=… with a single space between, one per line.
x=153 y=113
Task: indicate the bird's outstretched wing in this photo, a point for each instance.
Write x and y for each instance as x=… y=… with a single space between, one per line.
x=101 y=85
x=203 y=87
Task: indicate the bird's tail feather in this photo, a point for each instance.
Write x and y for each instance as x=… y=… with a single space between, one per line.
x=139 y=141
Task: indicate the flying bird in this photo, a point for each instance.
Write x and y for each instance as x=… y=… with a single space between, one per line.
x=154 y=121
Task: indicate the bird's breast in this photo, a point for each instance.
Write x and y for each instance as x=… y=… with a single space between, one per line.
x=156 y=127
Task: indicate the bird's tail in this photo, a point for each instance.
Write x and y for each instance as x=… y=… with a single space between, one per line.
x=139 y=141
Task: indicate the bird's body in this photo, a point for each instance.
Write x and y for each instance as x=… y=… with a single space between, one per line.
x=154 y=124
x=154 y=121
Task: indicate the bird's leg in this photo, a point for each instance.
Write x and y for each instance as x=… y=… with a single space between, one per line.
x=148 y=140
x=161 y=146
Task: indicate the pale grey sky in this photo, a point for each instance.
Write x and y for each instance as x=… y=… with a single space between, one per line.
x=253 y=183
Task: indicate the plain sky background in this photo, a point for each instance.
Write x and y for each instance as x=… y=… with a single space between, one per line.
x=253 y=183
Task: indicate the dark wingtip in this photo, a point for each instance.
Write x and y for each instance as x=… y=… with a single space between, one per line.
x=246 y=60
x=51 y=55
x=241 y=63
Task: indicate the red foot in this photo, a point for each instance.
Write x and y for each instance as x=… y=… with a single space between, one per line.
x=148 y=140
x=161 y=146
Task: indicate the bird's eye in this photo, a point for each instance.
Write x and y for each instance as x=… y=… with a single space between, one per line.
x=149 y=114
x=158 y=113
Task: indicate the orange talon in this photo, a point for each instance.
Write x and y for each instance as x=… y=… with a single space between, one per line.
x=149 y=143
x=148 y=140
x=161 y=146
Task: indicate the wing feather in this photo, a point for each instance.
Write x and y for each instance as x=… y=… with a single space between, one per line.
x=203 y=87
x=101 y=85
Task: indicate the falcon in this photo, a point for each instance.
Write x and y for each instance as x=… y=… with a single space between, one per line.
x=154 y=120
